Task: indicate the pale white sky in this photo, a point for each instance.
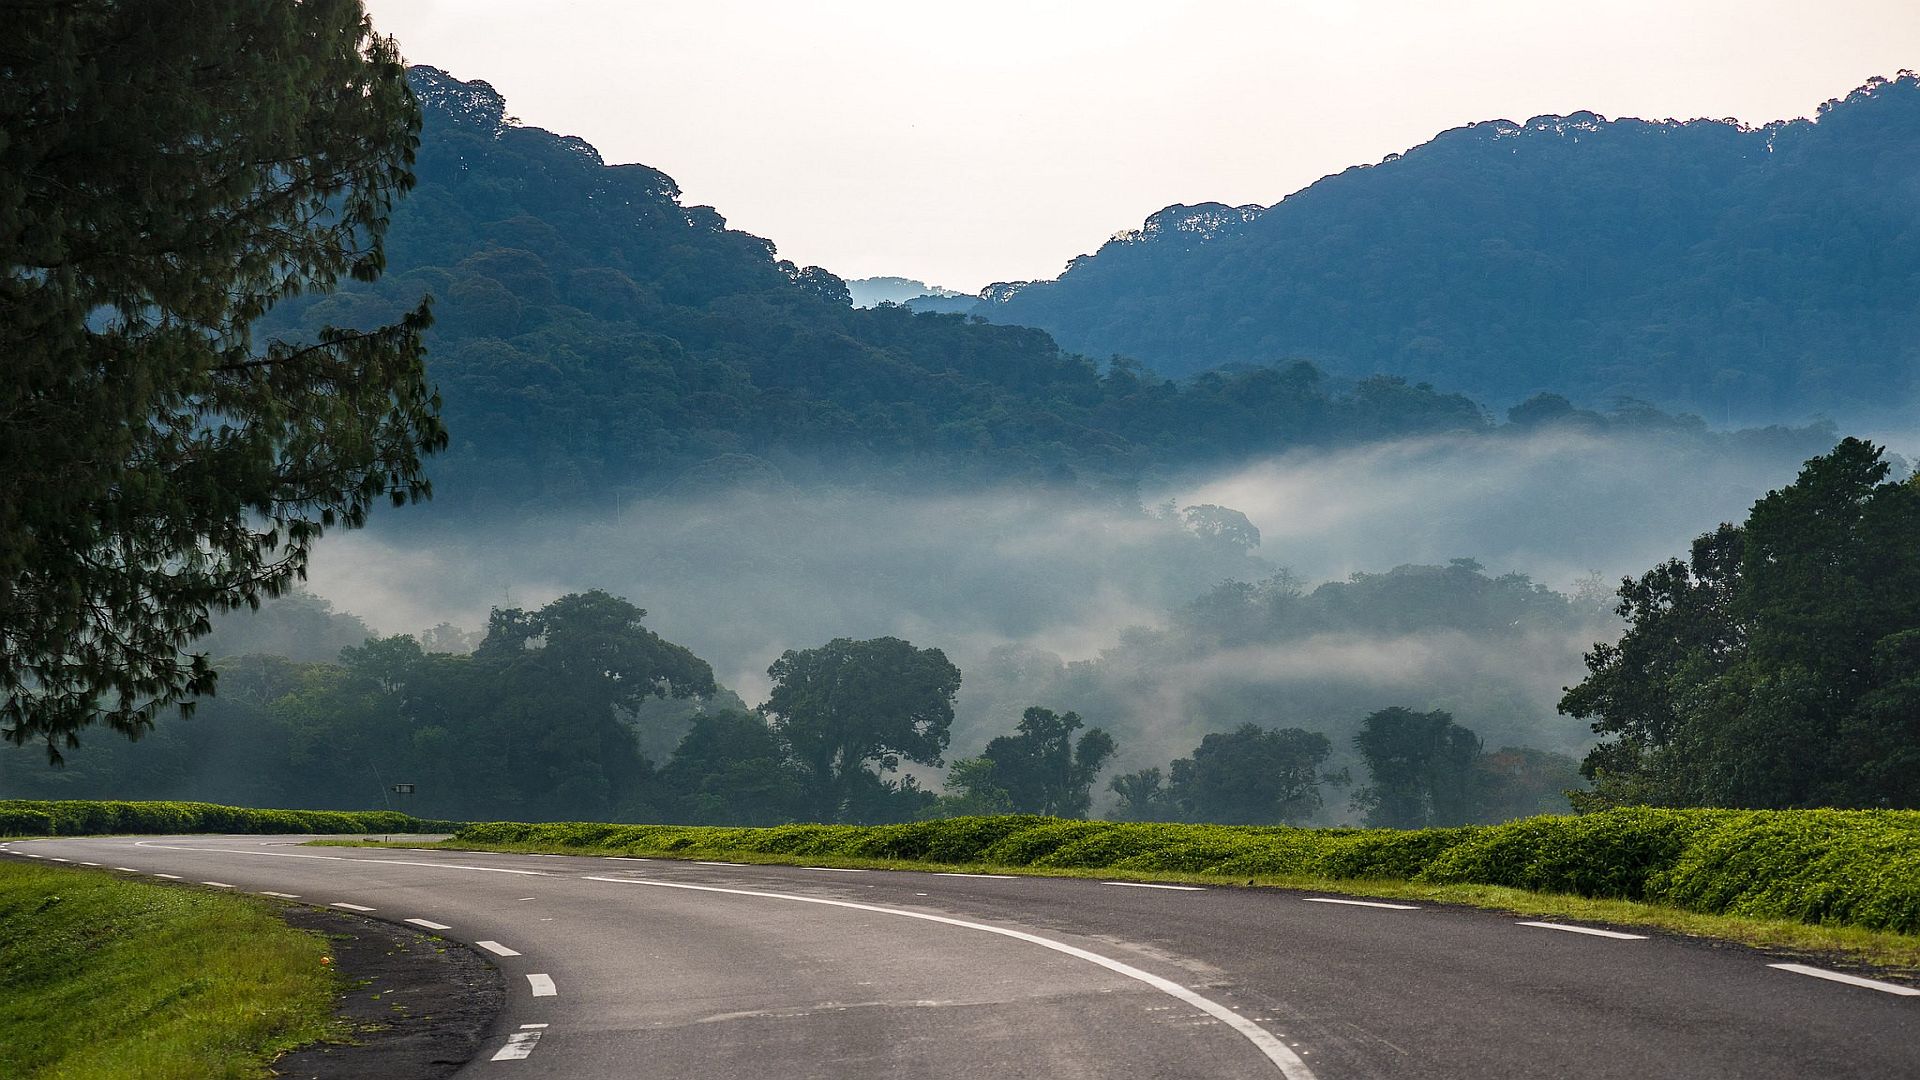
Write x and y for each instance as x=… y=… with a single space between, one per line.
x=967 y=143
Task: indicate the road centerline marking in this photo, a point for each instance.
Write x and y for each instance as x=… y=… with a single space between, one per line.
x=496 y=948
x=428 y=924
x=1590 y=931
x=542 y=986
x=1276 y=1051
x=1850 y=980
x=1151 y=885
x=1359 y=903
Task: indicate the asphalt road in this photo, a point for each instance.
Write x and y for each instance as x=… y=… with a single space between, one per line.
x=641 y=969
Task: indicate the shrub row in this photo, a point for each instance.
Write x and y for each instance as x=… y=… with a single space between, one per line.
x=1842 y=867
x=83 y=817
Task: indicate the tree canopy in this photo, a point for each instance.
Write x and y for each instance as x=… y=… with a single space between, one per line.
x=167 y=176
x=848 y=704
x=1776 y=666
x=1750 y=274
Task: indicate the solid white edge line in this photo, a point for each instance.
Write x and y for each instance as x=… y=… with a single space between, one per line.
x=1588 y=930
x=1850 y=980
x=1151 y=885
x=281 y=895
x=350 y=907
x=542 y=986
x=428 y=924
x=1289 y=1063
x=496 y=948
x=519 y=1046
x=1358 y=903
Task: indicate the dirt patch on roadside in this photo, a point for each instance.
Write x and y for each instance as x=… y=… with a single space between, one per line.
x=419 y=1006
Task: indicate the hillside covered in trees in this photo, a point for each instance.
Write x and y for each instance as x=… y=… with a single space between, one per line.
x=1748 y=274
x=593 y=335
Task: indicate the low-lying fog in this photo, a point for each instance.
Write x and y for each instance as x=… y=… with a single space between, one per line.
x=1016 y=585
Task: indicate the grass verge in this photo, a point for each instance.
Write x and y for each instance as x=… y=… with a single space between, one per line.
x=103 y=978
x=1841 y=884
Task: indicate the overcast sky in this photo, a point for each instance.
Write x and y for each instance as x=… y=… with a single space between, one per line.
x=967 y=143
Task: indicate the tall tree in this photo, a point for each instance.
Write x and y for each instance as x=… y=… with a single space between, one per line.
x=1778 y=670
x=1043 y=769
x=167 y=174
x=1252 y=776
x=1422 y=766
x=848 y=704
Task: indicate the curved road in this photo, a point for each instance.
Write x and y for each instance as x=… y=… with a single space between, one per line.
x=635 y=968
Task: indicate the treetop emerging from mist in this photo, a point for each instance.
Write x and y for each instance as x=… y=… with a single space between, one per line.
x=167 y=175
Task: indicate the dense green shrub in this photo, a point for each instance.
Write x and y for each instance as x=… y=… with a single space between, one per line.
x=1855 y=868
x=80 y=817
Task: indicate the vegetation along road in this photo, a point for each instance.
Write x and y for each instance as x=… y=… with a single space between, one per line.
x=658 y=968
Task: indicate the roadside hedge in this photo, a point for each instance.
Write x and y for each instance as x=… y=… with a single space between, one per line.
x=1840 y=867
x=88 y=817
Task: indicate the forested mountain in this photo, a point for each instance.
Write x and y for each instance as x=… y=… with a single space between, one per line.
x=594 y=334
x=1748 y=274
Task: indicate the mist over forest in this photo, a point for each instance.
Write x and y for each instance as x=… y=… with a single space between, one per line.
x=649 y=410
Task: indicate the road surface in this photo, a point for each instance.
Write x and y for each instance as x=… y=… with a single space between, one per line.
x=653 y=968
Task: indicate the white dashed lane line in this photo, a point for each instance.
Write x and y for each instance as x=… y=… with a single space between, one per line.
x=703 y=862
x=1850 y=980
x=496 y=948
x=542 y=985
x=128 y=869
x=169 y=877
x=956 y=873
x=57 y=858
x=429 y=924
x=1150 y=885
x=349 y=907
x=85 y=863
x=835 y=869
x=1359 y=903
x=1588 y=930
x=281 y=895
x=519 y=1046
x=215 y=884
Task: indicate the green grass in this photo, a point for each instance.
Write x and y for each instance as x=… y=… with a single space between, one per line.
x=106 y=978
x=1821 y=882
x=99 y=817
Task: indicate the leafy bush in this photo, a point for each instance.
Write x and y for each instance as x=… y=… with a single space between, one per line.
x=81 y=817
x=1855 y=868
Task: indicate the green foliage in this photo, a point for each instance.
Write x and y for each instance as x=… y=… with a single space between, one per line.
x=166 y=178
x=850 y=703
x=1776 y=667
x=115 y=978
x=593 y=334
x=1848 y=868
x=91 y=817
x=1422 y=766
x=1248 y=776
x=1042 y=770
x=1757 y=272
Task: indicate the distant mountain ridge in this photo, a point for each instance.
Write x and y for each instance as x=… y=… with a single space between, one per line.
x=1747 y=273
